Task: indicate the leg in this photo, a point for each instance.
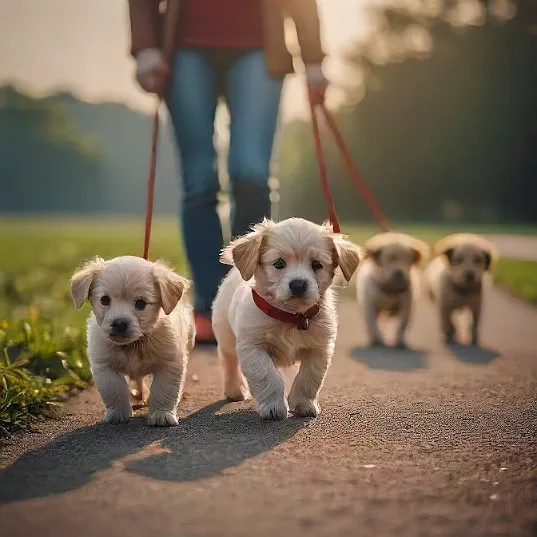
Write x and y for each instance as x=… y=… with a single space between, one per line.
x=235 y=385
x=475 y=309
x=114 y=392
x=265 y=381
x=303 y=396
x=447 y=324
x=192 y=104
x=253 y=99
x=404 y=318
x=165 y=394
x=371 y=322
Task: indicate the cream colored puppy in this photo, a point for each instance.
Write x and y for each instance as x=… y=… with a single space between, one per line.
x=387 y=280
x=456 y=278
x=276 y=307
x=139 y=326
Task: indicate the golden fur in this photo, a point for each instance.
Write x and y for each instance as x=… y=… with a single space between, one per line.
x=157 y=334
x=252 y=345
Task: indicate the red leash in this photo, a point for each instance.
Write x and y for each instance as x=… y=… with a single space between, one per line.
x=170 y=24
x=355 y=174
x=151 y=181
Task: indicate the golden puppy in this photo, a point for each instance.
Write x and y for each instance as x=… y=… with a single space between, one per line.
x=138 y=326
x=456 y=276
x=276 y=307
x=385 y=281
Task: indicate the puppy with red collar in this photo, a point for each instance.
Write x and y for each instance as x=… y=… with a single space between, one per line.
x=276 y=307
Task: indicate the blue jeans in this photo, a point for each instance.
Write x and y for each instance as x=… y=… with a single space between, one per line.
x=253 y=100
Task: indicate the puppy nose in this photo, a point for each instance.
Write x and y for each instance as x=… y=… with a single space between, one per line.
x=469 y=276
x=119 y=326
x=298 y=287
x=399 y=277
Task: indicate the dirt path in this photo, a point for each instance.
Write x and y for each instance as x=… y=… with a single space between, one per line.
x=434 y=441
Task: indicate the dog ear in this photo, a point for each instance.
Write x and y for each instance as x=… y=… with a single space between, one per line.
x=171 y=286
x=82 y=279
x=244 y=251
x=449 y=254
x=374 y=255
x=488 y=259
x=348 y=256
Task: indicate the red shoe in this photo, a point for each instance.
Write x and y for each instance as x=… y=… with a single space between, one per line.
x=204 y=329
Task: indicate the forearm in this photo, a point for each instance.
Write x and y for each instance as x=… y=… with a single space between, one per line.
x=305 y=16
x=144 y=20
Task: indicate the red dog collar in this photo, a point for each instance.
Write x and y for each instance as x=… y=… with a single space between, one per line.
x=300 y=320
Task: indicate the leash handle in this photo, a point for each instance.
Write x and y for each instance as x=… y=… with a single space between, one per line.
x=172 y=11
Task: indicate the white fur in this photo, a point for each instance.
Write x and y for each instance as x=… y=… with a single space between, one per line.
x=252 y=345
x=157 y=343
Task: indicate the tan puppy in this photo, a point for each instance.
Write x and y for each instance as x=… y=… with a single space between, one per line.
x=385 y=281
x=138 y=326
x=456 y=276
x=276 y=307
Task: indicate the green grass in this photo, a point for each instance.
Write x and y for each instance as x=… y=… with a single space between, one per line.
x=42 y=340
x=518 y=277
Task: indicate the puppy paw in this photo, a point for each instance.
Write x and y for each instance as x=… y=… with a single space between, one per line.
x=114 y=416
x=237 y=392
x=305 y=408
x=377 y=342
x=274 y=410
x=401 y=344
x=162 y=418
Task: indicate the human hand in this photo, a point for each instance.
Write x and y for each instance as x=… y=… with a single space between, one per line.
x=151 y=70
x=317 y=83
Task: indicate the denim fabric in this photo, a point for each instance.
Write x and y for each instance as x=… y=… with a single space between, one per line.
x=253 y=100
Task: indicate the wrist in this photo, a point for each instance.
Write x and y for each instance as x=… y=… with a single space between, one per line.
x=148 y=58
x=314 y=73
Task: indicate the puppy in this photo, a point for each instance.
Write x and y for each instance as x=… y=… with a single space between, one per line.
x=456 y=276
x=276 y=307
x=386 y=279
x=139 y=326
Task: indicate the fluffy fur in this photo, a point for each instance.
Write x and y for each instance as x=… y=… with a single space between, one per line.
x=254 y=347
x=387 y=280
x=138 y=326
x=456 y=277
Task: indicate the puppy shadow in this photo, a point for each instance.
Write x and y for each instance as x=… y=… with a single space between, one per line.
x=209 y=442
x=390 y=358
x=202 y=445
x=473 y=354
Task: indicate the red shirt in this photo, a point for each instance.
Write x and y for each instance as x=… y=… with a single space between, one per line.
x=221 y=23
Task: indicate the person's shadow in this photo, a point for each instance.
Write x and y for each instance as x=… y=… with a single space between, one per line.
x=473 y=354
x=202 y=445
x=390 y=358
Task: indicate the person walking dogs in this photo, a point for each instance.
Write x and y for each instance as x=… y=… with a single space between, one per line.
x=233 y=49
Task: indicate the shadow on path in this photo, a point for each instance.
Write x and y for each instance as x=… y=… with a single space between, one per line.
x=390 y=358
x=202 y=445
x=473 y=355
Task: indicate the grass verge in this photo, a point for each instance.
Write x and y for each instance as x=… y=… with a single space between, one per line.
x=518 y=277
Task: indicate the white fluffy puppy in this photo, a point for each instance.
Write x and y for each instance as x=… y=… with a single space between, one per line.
x=276 y=307
x=138 y=326
x=456 y=276
x=387 y=280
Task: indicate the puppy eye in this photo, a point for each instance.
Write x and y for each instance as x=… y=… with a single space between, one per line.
x=279 y=264
x=105 y=300
x=316 y=266
x=140 y=304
